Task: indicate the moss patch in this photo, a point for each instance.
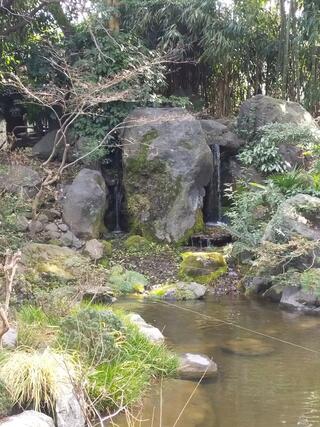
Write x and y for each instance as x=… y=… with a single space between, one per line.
x=202 y=267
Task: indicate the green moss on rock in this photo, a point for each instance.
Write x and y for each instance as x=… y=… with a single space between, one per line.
x=202 y=267
x=136 y=242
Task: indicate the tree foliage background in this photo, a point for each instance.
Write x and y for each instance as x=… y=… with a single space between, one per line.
x=221 y=53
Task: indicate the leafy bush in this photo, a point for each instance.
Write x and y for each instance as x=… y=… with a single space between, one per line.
x=263 y=151
x=252 y=206
x=124 y=281
x=97 y=335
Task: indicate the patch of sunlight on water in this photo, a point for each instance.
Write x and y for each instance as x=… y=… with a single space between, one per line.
x=277 y=389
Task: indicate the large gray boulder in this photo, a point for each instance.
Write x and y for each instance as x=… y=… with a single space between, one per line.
x=70 y=407
x=28 y=419
x=85 y=204
x=218 y=133
x=19 y=179
x=298 y=216
x=261 y=110
x=167 y=164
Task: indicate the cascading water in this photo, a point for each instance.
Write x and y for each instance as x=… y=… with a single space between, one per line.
x=213 y=199
x=117 y=206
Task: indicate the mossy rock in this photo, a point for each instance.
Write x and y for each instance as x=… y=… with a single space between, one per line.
x=123 y=281
x=60 y=263
x=180 y=291
x=136 y=242
x=202 y=267
x=107 y=248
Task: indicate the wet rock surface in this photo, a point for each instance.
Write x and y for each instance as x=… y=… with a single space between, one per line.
x=196 y=366
x=247 y=347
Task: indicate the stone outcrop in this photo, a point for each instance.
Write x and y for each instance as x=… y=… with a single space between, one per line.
x=167 y=164
x=261 y=110
x=19 y=179
x=85 y=204
x=298 y=216
x=218 y=133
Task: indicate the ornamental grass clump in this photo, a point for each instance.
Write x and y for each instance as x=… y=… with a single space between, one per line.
x=35 y=379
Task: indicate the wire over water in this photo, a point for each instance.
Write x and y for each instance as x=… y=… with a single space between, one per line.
x=243 y=328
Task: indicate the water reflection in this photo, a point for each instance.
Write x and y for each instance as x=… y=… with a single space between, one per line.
x=277 y=389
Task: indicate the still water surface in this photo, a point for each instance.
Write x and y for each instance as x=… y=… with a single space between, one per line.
x=279 y=389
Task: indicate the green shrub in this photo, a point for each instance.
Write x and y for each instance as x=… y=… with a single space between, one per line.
x=11 y=207
x=95 y=334
x=263 y=152
x=252 y=207
x=126 y=378
x=124 y=281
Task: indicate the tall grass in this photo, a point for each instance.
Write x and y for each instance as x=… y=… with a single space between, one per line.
x=35 y=379
x=127 y=377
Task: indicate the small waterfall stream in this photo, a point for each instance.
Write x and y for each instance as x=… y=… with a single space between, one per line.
x=213 y=199
x=118 y=195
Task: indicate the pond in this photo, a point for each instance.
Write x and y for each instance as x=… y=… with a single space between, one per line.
x=279 y=388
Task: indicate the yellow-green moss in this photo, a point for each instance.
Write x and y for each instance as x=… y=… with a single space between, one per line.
x=107 y=248
x=136 y=242
x=202 y=267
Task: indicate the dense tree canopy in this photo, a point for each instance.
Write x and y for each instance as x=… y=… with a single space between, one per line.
x=220 y=52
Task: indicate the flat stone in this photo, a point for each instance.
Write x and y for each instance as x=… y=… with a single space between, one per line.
x=247 y=347
x=196 y=366
x=149 y=331
x=28 y=419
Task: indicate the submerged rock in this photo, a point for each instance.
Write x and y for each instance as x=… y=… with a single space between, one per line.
x=261 y=110
x=298 y=216
x=202 y=267
x=196 y=366
x=151 y=332
x=28 y=419
x=85 y=204
x=247 y=347
x=180 y=291
x=167 y=164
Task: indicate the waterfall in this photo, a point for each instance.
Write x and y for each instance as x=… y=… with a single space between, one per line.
x=213 y=199
x=117 y=206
